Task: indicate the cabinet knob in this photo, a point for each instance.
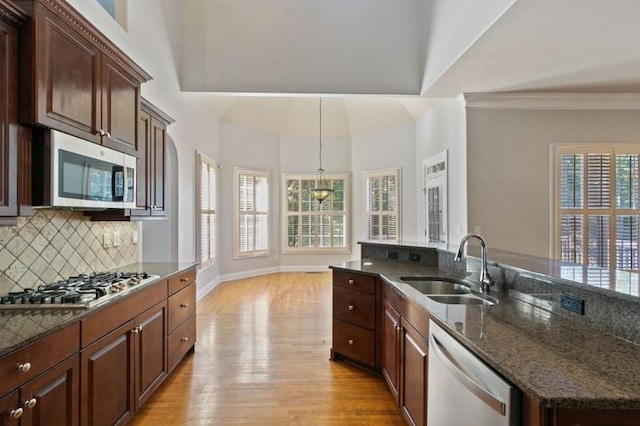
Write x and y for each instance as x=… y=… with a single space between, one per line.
x=24 y=367
x=136 y=330
x=185 y=339
x=184 y=280
x=16 y=414
x=184 y=305
x=351 y=341
x=102 y=132
x=351 y=281
x=108 y=134
x=30 y=403
x=351 y=307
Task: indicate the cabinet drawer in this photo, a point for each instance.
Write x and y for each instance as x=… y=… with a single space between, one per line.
x=180 y=281
x=40 y=356
x=354 y=342
x=181 y=340
x=354 y=306
x=354 y=281
x=181 y=306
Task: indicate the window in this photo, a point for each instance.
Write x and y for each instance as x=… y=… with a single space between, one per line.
x=252 y=212
x=309 y=226
x=206 y=208
x=117 y=9
x=435 y=198
x=597 y=205
x=382 y=204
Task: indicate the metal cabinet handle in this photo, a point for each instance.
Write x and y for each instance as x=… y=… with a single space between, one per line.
x=136 y=330
x=108 y=134
x=16 y=414
x=24 y=367
x=351 y=281
x=102 y=132
x=351 y=307
x=185 y=339
x=30 y=403
x=351 y=341
x=184 y=305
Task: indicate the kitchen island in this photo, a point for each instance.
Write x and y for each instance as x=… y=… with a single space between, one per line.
x=568 y=370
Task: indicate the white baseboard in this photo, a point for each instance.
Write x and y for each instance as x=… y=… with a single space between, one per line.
x=203 y=290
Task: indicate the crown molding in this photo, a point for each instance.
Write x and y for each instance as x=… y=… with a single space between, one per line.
x=12 y=13
x=552 y=101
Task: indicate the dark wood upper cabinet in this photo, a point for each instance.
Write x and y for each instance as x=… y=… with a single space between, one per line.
x=14 y=139
x=75 y=80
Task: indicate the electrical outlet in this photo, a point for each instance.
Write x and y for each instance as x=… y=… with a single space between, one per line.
x=414 y=257
x=106 y=240
x=134 y=236
x=392 y=255
x=116 y=238
x=571 y=303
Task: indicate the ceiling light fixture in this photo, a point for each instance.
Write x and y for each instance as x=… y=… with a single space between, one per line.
x=322 y=189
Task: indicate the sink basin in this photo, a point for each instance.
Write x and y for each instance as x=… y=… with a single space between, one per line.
x=428 y=285
x=463 y=300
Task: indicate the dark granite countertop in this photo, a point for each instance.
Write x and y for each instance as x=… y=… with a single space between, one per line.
x=553 y=359
x=19 y=327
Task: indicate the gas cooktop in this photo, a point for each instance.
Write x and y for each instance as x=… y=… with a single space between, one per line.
x=81 y=291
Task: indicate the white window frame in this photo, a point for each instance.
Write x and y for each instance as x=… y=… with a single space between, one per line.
x=285 y=213
x=433 y=179
x=254 y=173
x=119 y=14
x=377 y=174
x=206 y=207
x=612 y=211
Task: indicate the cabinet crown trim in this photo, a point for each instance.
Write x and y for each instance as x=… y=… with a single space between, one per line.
x=91 y=33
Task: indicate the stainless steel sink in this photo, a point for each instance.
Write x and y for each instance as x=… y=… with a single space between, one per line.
x=428 y=285
x=468 y=299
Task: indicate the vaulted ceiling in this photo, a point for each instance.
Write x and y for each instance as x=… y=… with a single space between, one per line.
x=426 y=49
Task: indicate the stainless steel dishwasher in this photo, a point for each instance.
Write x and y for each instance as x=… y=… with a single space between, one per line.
x=463 y=390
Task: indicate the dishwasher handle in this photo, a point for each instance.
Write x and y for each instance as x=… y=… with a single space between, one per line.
x=483 y=394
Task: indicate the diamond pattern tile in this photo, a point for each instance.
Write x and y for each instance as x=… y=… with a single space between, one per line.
x=53 y=244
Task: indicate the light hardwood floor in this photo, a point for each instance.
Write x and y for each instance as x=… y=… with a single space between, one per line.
x=262 y=358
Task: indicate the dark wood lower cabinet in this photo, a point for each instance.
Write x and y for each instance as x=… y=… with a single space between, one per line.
x=150 y=352
x=107 y=378
x=391 y=349
x=413 y=396
x=54 y=396
x=8 y=407
x=122 y=369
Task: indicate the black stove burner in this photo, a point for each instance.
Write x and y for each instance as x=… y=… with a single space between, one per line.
x=81 y=290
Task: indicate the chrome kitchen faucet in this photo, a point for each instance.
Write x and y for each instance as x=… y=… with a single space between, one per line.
x=485 y=279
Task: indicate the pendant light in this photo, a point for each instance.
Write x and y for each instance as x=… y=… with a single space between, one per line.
x=322 y=189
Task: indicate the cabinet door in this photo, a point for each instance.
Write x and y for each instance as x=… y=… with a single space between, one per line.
x=52 y=398
x=120 y=106
x=8 y=119
x=150 y=351
x=157 y=172
x=391 y=349
x=67 y=86
x=10 y=411
x=413 y=397
x=142 y=164
x=107 y=378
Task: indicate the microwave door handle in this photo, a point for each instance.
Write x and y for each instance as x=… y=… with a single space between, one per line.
x=117 y=170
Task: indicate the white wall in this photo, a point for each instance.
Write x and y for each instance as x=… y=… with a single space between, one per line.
x=247 y=148
x=441 y=129
x=393 y=147
x=508 y=170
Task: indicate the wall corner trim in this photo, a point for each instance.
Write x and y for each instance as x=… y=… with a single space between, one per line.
x=552 y=101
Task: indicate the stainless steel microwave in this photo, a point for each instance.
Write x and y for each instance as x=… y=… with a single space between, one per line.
x=84 y=175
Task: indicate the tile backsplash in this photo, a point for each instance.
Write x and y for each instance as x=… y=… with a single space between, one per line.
x=54 y=244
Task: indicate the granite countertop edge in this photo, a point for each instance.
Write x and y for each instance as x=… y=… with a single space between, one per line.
x=64 y=317
x=556 y=361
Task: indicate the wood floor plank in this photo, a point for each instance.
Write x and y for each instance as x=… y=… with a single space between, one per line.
x=262 y=358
